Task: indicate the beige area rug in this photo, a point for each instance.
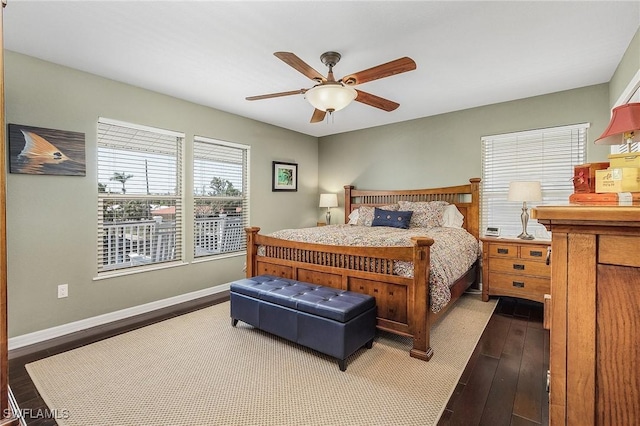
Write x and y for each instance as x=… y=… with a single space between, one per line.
x=198 y=370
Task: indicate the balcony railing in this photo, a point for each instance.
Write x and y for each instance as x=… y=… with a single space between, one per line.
x=139 y=242
x=219 y=235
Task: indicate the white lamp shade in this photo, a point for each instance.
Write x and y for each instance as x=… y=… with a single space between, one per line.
x=330 y=97
x=328 y=200
x=524 y=191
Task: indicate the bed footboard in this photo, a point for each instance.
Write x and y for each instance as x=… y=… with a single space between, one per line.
x=402 y=303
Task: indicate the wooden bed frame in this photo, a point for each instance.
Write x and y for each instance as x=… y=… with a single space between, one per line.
x=402 y=303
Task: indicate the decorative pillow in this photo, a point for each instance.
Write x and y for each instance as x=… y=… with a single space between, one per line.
x=426 y=214
x=365 y=213
x=394 y=219
x=451 y=217
x=353 y=218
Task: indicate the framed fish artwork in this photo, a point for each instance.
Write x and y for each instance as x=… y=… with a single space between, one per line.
x=40 y=151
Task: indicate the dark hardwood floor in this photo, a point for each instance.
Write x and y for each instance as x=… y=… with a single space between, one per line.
x=504 y=382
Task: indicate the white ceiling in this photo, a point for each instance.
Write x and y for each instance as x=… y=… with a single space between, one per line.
x=216 y=53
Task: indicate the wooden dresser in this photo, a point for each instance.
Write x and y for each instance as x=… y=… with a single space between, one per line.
x=595 y=314
x=515 y=267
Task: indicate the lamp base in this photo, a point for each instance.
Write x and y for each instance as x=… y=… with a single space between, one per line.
x=525 y=236
x=328 y=217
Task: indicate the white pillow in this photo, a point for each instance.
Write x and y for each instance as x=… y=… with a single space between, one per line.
x=452 y=218
x=353 y=217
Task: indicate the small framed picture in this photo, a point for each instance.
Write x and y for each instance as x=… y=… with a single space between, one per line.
x=285 y=176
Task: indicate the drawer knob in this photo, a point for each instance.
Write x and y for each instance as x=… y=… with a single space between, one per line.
x=518 y=267
x=535 y=253
x=503 y=251
x=518 y=284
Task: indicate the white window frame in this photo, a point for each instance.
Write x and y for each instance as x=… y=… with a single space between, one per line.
x=546 y=155
x=220 y=235
x=137 y=243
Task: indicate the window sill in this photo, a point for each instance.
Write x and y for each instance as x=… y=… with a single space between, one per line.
x=202 y=259
x=138 y=270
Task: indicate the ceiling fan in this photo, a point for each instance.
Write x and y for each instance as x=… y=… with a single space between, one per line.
x=329 y=95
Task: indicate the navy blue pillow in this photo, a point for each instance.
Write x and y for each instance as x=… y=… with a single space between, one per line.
x=390 y=218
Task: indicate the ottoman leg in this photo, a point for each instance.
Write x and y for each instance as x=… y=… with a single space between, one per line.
x=369 y=344
x=343 y=364
x=234 y=322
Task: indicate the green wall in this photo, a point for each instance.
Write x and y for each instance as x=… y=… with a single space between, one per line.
x=445 y=149
x=51 y=220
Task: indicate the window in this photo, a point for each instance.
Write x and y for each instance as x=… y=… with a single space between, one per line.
x=622 y=148
x=139 y=195
x=221 y=196
x=545 y=155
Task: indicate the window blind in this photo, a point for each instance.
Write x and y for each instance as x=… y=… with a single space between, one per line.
x=546 y=155
x=139 y=195
x=621 y=149
x=221 y=196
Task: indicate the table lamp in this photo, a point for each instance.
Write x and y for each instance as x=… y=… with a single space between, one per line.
x=525 y=191
x=624 y=126
x=328 y=201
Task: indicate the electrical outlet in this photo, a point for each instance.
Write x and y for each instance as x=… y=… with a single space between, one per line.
x=63 y=291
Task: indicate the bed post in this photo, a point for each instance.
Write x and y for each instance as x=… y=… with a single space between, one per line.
x=419 y=324
x=251 y=250
x=347 y=202
x=473 y=214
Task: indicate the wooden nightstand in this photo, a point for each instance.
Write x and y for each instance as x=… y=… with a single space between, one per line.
x=516 y=268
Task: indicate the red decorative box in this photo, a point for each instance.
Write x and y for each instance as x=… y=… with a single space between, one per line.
x=584 y=177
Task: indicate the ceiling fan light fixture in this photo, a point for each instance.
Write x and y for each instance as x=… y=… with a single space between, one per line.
x=330 y=97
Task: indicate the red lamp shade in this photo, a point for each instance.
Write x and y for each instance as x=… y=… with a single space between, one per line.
x=624 y=122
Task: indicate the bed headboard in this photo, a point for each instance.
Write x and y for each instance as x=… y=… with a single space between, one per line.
x=465 y=197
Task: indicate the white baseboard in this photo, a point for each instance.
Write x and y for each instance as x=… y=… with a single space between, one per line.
x=72 y=327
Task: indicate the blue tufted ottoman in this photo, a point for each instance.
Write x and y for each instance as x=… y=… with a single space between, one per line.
x=332 y=321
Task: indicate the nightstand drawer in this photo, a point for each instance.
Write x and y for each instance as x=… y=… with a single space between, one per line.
x=520 y=267
x=503 y=250
x=520 y=285
x=534 y=252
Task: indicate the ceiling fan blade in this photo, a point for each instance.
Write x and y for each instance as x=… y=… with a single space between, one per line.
x=275 y=95
x=385 y=70
x=318 y=116
x=376 y=101
x=293 y=61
